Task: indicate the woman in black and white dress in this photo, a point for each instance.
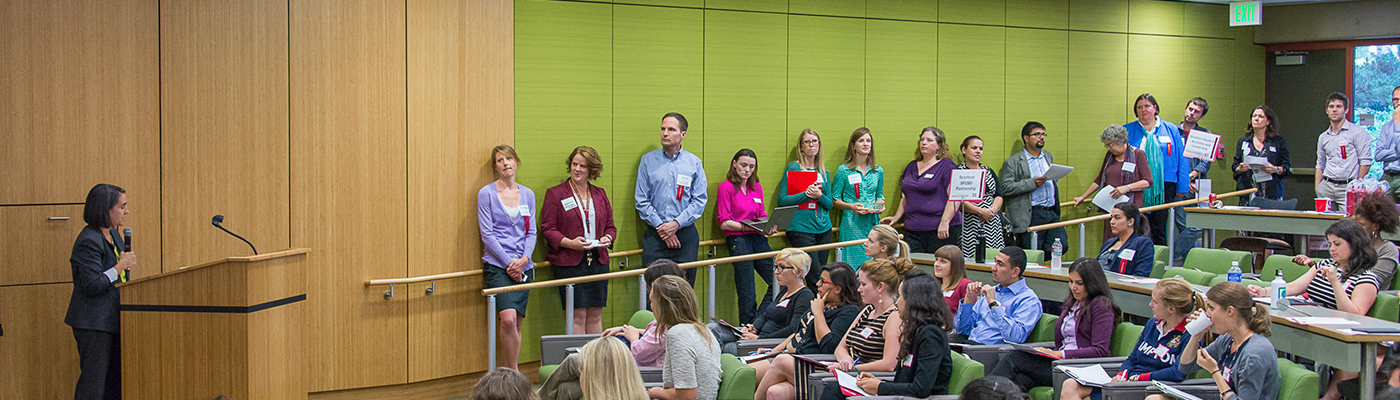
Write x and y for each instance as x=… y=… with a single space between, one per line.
x=981 y=219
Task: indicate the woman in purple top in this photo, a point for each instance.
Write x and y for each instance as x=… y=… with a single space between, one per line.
x=1086 y=324
x=504 y=210
x=740 y=197
x=932 y=221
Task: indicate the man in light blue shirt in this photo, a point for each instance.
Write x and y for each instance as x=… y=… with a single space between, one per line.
x=670 y=196
x=1030 y=198
x=1007 y=311
x=1388 y=146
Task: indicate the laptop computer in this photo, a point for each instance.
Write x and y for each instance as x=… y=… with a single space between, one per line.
x=780 y=217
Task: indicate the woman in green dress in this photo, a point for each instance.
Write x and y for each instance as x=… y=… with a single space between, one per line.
x=858 y=190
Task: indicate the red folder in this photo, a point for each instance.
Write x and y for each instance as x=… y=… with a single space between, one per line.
x=797 y=182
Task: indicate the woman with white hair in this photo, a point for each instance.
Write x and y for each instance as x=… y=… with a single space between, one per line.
x=1124 y=168
x=781 y=318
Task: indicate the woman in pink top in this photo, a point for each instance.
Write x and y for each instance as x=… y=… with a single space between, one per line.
x=948 y=267
x=740 y=197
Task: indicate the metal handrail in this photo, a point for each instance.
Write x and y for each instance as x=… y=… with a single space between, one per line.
x=1144 y=209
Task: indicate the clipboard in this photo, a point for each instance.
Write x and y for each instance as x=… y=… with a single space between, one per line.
x=1032 y=350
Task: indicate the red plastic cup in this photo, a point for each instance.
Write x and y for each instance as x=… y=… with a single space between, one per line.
x=1322 y=204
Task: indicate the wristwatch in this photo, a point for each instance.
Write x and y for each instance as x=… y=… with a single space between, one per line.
x=994 y=303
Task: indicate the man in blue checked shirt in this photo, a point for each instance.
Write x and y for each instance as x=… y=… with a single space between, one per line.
x=670 y=196
x=1388 y=146
x=1006 y=311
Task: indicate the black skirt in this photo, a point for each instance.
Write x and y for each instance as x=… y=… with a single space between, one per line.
x=497 y=277
x=586 y=295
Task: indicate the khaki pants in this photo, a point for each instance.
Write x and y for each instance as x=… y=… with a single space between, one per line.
x=1335 y=191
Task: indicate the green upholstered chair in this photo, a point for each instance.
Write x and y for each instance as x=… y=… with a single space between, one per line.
x=965 y=370
x=1160 y=260
x=1041 y=393
x=1386 y=307
x=737 y=380
x=1217 y=261
x=1276 y=262
x=641 y=319
x=1044 y=330
x=1190 y=275
x=1298 y=383
x=1032 y=256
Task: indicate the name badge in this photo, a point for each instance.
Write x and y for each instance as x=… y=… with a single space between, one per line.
x=1164 y=139
x=1271 y=148
x=853 y=178
x=1127 y=254
x=782 y=304
x=1225 y=373
x=928 y=176
x=569 y=203
x=524 y=210
x=758 y=200
x=1160 y=351
x=810 y=318
x=947 y=293
x=821 y=178
x=865 y=333
x=683 y=180
x=1129 y=167
x=909 y=361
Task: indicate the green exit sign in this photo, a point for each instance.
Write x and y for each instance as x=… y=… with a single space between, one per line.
x=1246 y=13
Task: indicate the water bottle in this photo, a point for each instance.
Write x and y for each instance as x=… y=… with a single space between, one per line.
x=1235 y=273
x=1278 y=290
x=1057 y=252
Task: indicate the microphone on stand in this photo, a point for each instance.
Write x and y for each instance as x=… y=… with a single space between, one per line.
x=219 y=219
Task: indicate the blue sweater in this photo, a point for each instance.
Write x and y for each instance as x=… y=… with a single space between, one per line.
x=1158 y=365
x=1175 y=168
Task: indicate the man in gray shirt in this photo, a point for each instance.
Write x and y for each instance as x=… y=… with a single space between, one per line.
x=1343 y=153
x=1388 y=146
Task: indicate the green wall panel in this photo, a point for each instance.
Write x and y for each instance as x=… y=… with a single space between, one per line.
x=1209 y=20
x=980 y=12
x=1099 y=15
x=1098 y=84
x=778 y=6
x=1050 y=14
x=826 y=80
x=901 y=92
x=1154 y=66
x=972 y=83
x=1211 y=77
x=668 y=3
x=908 y=10
x=746 y=89
x=1037 y=88
x=1156 y=17
x=842 y=8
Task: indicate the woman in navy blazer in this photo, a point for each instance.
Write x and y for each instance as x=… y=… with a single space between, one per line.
x=1087 y=320
x=1128 y=252
x=99 y=257
x=503 y=211
x=577 y=223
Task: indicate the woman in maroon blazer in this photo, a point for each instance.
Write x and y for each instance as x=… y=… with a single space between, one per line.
x=577 y=222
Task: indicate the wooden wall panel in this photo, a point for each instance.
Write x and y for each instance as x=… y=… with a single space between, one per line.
x=223 y=127
x=38 y=357
x=37 y=243
x=460 y=105
x=79 y=99
x=349 y=203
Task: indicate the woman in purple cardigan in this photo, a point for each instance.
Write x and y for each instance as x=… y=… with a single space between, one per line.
x=504 y=211
x=1086 y=325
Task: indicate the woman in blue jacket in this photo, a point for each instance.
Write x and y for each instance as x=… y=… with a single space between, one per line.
x=1158 y=349
x=1128 y=252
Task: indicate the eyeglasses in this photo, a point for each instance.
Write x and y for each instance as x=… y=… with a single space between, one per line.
x=811 y=141
x=1038 y=134
x=780 y=268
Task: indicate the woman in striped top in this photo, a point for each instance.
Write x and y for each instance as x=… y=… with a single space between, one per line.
x=1346 y=282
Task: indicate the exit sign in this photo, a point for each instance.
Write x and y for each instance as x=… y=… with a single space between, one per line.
x=1246 y=13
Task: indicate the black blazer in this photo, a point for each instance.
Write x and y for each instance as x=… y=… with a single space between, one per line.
x=95 y=298
x=927 y=369
x=1276 y=150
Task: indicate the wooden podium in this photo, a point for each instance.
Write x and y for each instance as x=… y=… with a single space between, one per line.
x=231 y=327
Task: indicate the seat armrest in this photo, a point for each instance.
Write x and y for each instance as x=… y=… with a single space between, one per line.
x=746 y=346
x=553 y=347
x=1079 y=362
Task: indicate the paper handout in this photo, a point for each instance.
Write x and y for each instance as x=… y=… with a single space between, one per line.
x=1104 y=199
x=1058 y=171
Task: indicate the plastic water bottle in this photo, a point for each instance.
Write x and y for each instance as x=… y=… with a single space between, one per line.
x=1235 y=273
x=1057 y=252
x=1278 y=290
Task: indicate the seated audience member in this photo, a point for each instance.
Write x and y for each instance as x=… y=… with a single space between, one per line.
x=1377 y=214
x=949 y=267
x=691 y=369
x=925 y=365
x=608 y=371
x=883 y=242
x=1006 y=311
x=1241 y=360
x=1345 y=282
x=1128 y=252
x=1086 y=324
x=992 y=388
x=783 y=317
x=830 y=315
x=1172 y=300
x=863 y=346
x=503 y=384
x=648 y=346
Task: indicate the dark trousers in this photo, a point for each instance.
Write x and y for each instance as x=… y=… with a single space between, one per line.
x=743 y=273
x=653 y=248
x=1157 y=220
x=928 y=241
x=1027 y=370
x=100 y=358
x=1044 y=239
x=803 y=239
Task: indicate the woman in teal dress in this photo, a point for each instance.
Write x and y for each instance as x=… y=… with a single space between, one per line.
x=812 y=223
x=858 y=190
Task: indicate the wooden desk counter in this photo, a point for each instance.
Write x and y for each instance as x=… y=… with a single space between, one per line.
x=1258 y=220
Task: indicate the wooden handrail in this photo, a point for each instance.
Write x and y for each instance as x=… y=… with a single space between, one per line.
x=1038 y=228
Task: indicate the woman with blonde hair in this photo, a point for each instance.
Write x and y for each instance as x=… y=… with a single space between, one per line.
x=883 y=242
x=812 y=223
x=1173 y=300
x=784 y=316
x=691 y=368
x=1241 y=361
x=951 y=270
x=503 y=212
x=607 y=371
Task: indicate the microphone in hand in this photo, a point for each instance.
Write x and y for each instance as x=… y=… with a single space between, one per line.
x=126 y=238
x=218 y=223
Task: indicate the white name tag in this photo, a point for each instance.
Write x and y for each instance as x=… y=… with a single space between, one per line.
x=569 y=203
x=865 y=333
x=683 y=180
x=1160 y=351
x=948 y=293
x=1164 y=139
x=1225 y=373
x=758 y=200
x=820 y=178
x=928 y=176
x=782 y=304
x=1271 y=148
x=1130 y=167
x=1127 y=254
x=853 y=178
x=909 y=361
x=525 y=210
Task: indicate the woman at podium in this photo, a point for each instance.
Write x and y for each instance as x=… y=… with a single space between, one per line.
x=504 y=210
x=100 y=257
